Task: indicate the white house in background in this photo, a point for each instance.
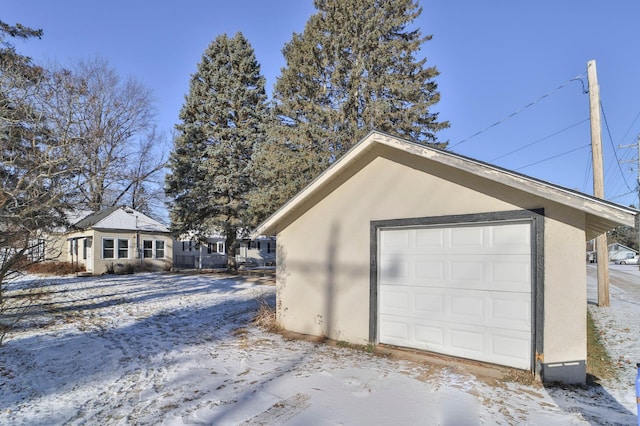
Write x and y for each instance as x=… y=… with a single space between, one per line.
x=117 y=239
x=618 y=251
x=260 y=251
x=189 y=253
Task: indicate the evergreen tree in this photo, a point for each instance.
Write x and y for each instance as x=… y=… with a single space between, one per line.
x=352 y=70
x=223 y=117
x=36 y=170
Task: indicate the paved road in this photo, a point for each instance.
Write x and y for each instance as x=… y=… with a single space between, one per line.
x=622 y=278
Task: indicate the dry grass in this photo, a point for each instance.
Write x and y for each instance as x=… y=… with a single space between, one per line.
x=53 y=268
x=266 y=316
x=599 y=363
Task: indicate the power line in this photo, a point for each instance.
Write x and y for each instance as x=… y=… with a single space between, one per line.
x=554 y=157
x=577 y=78
x=587 y=173
x=539 y=140
x=631 y=126
x=614 y=148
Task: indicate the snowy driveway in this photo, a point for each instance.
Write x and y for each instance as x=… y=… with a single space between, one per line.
x=181 y=349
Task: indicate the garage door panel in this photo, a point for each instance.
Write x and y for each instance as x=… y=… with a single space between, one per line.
x=476 y=305
x=431 y=337
x=467 y=271
x=396 y=300
x=433 y=238
x=429 y=303
x=395 y=270
x=497 y=273
x=432 y=271
x=506 y=347
x=473 y=307
x=512 y=346
x=395 y=331
x=467 y=342
x=514 y=275
x=512 y=312
x=467 y=238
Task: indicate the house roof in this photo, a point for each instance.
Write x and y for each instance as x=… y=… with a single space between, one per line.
x=601 y=215
x=120 y=218
x=621 y=247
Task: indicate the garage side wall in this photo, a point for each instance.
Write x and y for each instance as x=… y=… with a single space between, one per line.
x=565 y=306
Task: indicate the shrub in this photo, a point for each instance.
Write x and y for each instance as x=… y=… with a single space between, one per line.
x=53 y=268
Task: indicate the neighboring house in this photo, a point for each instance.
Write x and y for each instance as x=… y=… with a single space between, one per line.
x=260 y=251
x=618 y=251
x=118 y=239
x=192 y=254
x=401 y=244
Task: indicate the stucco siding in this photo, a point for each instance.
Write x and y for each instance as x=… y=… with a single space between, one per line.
x=565 y=286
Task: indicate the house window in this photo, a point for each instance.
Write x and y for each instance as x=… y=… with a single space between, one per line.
x=271 y=248
x=110 y=245
x=147 y=249
x=107 y=248
x=159 y=249
x=123 y=249
x=217 y=247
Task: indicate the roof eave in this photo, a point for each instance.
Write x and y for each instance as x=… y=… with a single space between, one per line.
x=602 y=215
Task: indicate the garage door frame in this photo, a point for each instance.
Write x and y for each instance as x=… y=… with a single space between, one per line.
x=536 y=218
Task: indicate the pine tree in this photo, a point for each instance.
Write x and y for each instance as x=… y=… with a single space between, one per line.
x=36 y=171
x=352 y=70
x=223 y=117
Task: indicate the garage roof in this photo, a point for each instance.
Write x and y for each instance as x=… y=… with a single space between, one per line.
x=602 y=215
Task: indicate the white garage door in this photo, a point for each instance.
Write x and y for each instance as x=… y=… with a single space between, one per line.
x=458 y=290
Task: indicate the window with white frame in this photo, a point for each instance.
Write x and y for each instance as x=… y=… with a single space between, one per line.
x=153 y=249
x=147 y=249
x=217 y=247
x=108 y=248
x=159 y=249
x=123 y=249
x=115 y=248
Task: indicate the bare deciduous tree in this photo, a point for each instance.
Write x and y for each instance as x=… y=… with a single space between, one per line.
x=112 y=123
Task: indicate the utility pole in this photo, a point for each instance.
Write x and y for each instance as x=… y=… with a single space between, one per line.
x=602 y=252
x=637 y=224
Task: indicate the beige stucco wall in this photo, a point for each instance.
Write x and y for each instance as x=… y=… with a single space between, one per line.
x=565 y=291
x=323 y=255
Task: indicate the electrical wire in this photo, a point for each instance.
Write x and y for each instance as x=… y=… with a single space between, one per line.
x=587 y=173
x=577 y=78
x=539 y=140
x=554 y=157
x=615 y=153
x=630 y=126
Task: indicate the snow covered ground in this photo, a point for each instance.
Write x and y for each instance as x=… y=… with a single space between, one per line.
x=181 y=349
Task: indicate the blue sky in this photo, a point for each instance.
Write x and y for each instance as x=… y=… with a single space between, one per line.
x=496 y=58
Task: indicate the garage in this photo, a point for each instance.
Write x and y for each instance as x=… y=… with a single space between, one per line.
x=463 y=290
x=401 y=244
